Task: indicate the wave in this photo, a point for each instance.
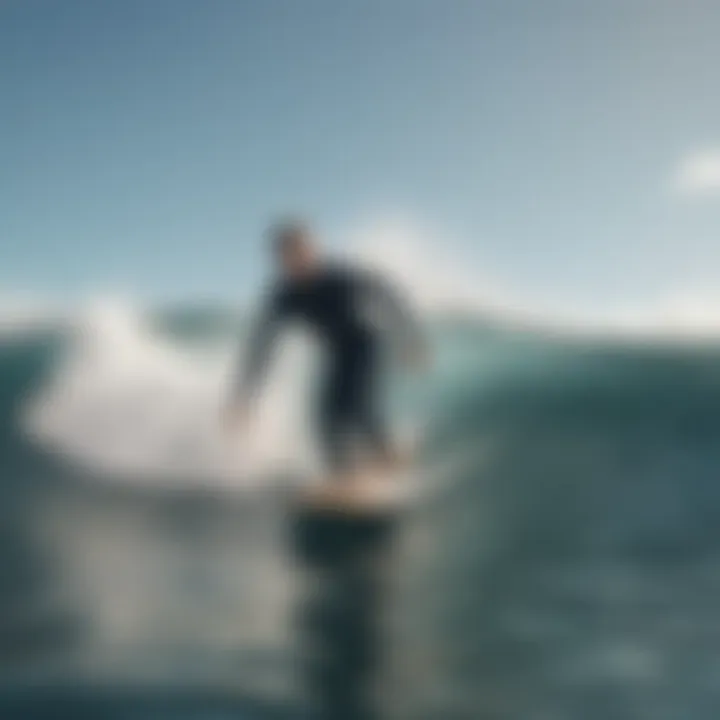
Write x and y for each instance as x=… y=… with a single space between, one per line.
x=136 y=395
x=571 y=554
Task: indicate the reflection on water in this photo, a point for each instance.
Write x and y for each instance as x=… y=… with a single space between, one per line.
x=180 y=585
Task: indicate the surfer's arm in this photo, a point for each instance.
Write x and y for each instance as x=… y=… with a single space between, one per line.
x=259 y=348
x=397 y=311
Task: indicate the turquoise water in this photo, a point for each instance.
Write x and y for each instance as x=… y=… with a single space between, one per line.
x=565 y=565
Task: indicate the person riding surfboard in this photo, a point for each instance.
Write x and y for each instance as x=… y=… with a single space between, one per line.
x=346 y=308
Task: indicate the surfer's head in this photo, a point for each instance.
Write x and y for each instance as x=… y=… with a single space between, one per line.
x=294 y=247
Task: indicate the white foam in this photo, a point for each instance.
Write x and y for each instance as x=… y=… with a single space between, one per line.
x=127 y=402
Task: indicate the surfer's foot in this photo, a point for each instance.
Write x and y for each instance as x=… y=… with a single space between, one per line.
x=361 y=490
x=336 y=489
x=393 y=460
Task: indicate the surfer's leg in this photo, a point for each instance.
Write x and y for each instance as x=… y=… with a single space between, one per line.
x=369 y=419
x=339 y=489
x=332 y=428
x=373 y=430
x=348 y=424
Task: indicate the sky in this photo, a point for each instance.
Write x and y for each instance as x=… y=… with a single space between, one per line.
x=567 y=150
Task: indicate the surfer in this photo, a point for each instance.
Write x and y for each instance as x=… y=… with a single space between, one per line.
x=350 y=310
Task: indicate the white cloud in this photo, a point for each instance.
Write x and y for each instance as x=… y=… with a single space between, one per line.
x=425 y=264
x=693 y=312
x=699 y=173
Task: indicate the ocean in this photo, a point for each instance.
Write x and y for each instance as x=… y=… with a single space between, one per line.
x=562 y=561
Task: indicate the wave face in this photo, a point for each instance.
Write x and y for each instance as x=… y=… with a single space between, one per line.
x=563 y=566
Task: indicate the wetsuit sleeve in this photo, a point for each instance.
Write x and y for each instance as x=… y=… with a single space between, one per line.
x=260 y=344
x=394 y=307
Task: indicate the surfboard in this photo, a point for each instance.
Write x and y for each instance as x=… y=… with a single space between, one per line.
x=421 y=481
x=374 y=494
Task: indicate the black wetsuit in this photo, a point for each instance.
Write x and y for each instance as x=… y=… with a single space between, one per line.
x=348 y=309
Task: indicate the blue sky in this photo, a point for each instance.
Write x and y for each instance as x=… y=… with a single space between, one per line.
x=565 y=148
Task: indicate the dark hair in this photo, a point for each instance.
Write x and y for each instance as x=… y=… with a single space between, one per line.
x=287 y=234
